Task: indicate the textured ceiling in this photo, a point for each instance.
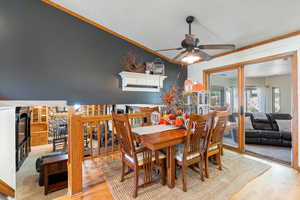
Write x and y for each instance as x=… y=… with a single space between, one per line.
x=161 y=24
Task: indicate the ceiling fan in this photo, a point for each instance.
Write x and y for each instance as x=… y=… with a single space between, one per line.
x=192 y=51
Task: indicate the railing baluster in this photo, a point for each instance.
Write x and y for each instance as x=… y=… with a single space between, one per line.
x=96 y=123
x=113 y=137
x=99 y=137
x=90 y=129
x=106 y=136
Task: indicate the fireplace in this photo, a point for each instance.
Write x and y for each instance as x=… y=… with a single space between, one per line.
x=22 y=135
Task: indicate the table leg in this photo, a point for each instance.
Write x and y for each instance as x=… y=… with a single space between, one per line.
x=171 y=167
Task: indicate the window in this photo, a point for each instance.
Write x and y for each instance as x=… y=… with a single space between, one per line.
x=252 y=100
x=275 y=99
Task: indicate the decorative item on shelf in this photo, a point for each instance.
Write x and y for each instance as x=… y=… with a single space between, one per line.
x=130 y=64
x=132 y=81
x=148 y=67
x=158 y=67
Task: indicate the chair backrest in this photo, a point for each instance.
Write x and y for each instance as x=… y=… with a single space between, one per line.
x=219 y=127
x=198 y=133
x=62 y=132
x=146 y=121
x=123 y=129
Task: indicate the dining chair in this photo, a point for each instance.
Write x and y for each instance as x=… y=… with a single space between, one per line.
x=192 y=151
x=138 y=158
x=215 y=145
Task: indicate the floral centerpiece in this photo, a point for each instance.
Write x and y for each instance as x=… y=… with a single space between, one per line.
x=180 y=103
x=173 y=112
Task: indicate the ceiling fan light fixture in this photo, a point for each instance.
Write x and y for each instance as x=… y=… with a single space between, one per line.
x=191 y=58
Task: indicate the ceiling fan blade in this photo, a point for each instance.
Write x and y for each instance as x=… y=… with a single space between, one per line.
x=179 y=48
x=180 y=54
x=203 y=55
x=217 y=46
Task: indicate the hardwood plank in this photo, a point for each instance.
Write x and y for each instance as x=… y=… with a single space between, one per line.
x=279 y=182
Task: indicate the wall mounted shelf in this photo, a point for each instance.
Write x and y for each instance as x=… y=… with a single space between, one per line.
x=141 y=82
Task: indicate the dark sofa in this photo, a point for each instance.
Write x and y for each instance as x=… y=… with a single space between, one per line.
x=267 y=131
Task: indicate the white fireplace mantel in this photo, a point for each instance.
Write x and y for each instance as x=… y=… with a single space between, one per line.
x=132 y=81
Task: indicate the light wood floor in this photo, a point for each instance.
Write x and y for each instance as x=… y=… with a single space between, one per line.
x=278 y=183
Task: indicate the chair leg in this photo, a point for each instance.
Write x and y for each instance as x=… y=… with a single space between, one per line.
x=218 y=157
x=206 y=166
x=163 y=172
x=184 y=178
x=122 y=172
x=136 y=182
x=176 y=166
x=222 y=153
x=219 y=160
x=201 y=169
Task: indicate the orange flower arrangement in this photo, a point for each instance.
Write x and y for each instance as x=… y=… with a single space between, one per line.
x=170 y=96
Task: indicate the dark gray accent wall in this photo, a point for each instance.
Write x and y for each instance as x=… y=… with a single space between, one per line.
x=46 y=54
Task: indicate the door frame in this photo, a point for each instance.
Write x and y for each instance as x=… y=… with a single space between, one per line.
x=294 y=87
x=240 y=83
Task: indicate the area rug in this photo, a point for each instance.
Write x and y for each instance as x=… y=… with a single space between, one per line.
x=237 y=172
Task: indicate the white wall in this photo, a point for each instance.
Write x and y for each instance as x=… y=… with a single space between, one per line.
x=266 y=83
x=284 y=83
x=282 y=46
x=7 y=146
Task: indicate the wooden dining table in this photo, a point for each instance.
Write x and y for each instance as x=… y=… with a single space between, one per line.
x=164 y=140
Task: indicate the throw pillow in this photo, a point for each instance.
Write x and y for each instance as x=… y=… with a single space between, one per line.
x=284 y=125
x=248 y=124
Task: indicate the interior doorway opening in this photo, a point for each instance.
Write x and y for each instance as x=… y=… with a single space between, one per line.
x=268 y=104
x=249 y=94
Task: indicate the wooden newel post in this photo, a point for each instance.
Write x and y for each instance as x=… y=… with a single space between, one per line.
x=75 y=159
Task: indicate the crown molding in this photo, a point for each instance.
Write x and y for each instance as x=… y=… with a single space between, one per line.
x=280 y=37
x=91 y=22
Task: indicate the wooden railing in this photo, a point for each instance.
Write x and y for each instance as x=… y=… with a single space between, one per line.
x=90 y=137
x=99 y=135
x=6 y=190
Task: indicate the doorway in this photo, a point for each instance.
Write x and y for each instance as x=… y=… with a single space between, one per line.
x=236 y=94
x=268 y=103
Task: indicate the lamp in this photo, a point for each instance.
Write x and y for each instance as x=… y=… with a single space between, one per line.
x=188 y=85
x=197 y=87
x=190 y=58
x=77 y=107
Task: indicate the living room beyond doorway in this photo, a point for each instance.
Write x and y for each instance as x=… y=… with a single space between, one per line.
x=262 y=95
x=268 y=115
